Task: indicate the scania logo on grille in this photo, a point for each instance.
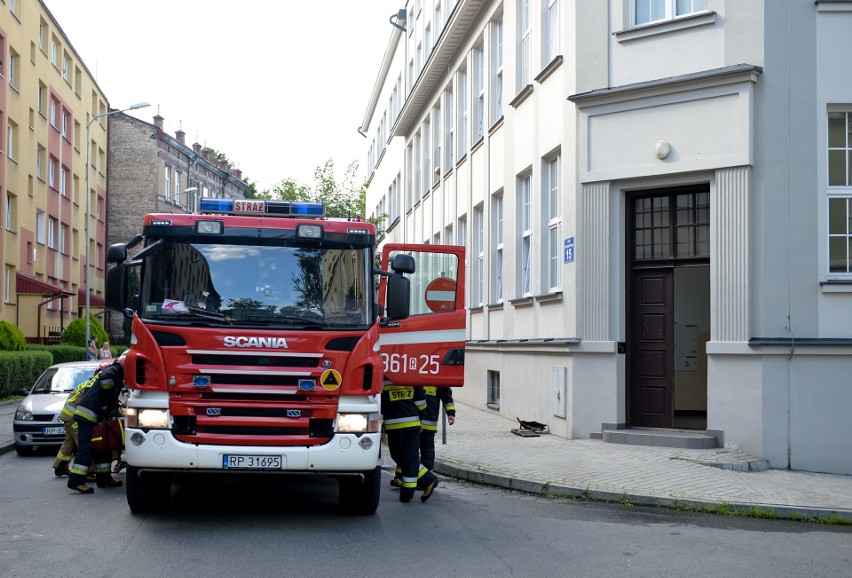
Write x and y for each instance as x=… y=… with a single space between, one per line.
x=294 y=413
x=263 y=342
x=214 y=411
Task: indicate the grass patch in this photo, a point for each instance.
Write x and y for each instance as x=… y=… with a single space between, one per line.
x=624 y=500
x=835 y=520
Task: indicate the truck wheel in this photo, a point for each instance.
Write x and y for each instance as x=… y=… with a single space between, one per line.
x=147 y=491
x=361 y=497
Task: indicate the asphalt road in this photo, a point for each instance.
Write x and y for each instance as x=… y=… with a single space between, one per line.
x=272 y=527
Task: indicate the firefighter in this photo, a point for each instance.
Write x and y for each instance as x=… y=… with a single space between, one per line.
x=401 y=415
x=69 y=445
x=97 y=402
x=435 y=396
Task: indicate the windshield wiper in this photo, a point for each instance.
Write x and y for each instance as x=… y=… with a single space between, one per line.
x=205 y=314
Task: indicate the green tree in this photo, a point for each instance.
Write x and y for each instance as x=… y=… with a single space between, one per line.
x=75 y=333
x=344 y=199
x=11 y=338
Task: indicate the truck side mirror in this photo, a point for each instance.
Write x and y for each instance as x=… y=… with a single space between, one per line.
x=398 y=303
x=117 y=253
x=403 y=263
x=116 y=287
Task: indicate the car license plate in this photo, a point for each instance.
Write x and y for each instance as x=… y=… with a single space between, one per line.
x=249 y=462
x=54 y=431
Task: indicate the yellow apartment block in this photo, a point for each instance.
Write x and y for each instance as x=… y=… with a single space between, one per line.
x=47 y=103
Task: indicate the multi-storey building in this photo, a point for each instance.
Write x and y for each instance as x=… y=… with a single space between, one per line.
x=152 y=171
x=656 y=199
x=47 y=102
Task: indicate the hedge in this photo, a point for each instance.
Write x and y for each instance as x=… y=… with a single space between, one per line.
x=21 y=368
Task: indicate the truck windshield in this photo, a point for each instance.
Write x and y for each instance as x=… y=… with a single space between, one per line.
x=255 y=285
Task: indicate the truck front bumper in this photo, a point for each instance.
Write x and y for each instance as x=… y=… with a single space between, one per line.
x=344 y=453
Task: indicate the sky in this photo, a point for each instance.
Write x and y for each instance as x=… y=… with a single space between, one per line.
x=278 y=86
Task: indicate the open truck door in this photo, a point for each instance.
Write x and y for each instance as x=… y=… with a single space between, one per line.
x=427 y=347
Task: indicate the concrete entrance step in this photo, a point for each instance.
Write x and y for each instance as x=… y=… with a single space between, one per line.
x=667 y=438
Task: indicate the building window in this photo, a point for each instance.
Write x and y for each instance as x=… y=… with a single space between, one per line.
x=168 y=182
x=840 y=192
x=42 y=97
x=524 y=44
x=462 y=108
x=479 y=91
x=11 y=140
x=496 y=70
x=13 y=65
x=63 y=178
x=449 y=130
x=53 y=113
x=418 y=169
x=479 y=250
x=177 y=187
x=493 y=396
x=497 y=248
x=53 y=52
x=427 y=160
x=436 y=146
x=65 y=68
x=647 y=11
x=41 y=153
x=51 y=172
x=42 y=28
x=63 y=231
x=524 y=267
x=51 y=233
x=8 y=276
x=448 y=235
x=41 y=227
x=552 y=223
x=552 y=46
x=10 y=212
x=65 y=123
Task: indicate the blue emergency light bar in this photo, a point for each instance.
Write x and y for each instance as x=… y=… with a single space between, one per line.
x=262 y=207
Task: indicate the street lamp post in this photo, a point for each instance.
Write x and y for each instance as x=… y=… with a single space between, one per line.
x=88 y=206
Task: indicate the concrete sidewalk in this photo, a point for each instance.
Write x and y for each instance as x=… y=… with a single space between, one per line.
x=481 y=448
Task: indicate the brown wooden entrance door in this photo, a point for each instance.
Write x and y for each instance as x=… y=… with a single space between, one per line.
x=651 y=368
x=667 y=229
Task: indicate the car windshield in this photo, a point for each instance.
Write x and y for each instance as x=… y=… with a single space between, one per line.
x=62 y=379
x=255 y=285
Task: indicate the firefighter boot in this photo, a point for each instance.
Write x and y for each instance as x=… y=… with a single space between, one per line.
x=405 y=494
x=61 y=470
x=77 y=483
x=107 y=481
x=430 y=487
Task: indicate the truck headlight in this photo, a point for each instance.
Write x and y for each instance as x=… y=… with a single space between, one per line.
x=147 y=418
x=358 y=422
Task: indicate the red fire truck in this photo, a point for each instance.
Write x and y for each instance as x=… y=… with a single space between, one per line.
x=261 y=332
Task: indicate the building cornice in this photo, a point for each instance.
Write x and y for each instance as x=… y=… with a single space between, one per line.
x=673 y=84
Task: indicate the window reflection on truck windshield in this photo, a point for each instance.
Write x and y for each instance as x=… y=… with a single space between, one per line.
x=246 y=283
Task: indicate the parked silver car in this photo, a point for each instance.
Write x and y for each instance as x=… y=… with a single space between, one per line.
x=37 y=424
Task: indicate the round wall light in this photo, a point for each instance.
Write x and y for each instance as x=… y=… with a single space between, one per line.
x=662 y=149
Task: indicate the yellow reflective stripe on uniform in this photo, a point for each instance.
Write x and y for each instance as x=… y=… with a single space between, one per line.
x=408 y=482
x=428 y=427
x=450 y=407
x=102 y=468
x=402 y=424
x=420 y=403
x=86 y=414
x=423 y=471
x=63 y=457
x=430 y=390
x=79 y=470
x=97 y=439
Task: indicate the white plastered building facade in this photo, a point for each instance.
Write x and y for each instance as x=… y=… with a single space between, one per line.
x=656 y=201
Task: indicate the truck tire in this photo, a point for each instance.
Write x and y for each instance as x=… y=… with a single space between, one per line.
x=147 y=491
x=24 y=451
x=361 y=497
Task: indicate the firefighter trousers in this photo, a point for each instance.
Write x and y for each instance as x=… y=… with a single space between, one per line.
x=69 y=446
x=404 y=446
x=86 y=457
x=427 y=448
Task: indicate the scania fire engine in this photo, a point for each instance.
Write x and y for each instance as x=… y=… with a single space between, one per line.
x=261 y=333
